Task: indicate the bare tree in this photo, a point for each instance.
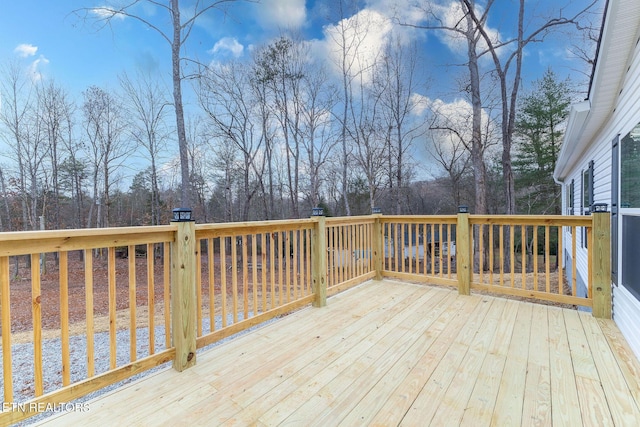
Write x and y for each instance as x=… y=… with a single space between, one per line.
x=226 y=95
x=449 y=148
x=54 y=111
x=104 y=125
x=280 y=66
x=318 y=141
x=348 y=35
x=510 y=80
x=175 y=31
x=465 y=28
x=368 y=135
x=15 y=95
x=395 y=75
x=147 y=111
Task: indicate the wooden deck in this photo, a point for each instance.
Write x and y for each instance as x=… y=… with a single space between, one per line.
x=389 y=353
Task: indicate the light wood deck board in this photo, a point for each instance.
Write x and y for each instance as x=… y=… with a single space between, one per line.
x=508 y=408
x=387 y=353
x=536 y=409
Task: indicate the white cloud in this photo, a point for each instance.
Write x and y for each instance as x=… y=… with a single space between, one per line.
x=420 y=104
x=25 y=50
x=280 y=14
x=361 y=37
x=458 y=115
x=35 y=69
x=228 y=44
x=107 y=12
x=452 y=16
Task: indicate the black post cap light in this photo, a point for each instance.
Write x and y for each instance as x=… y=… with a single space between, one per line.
x=317 y=211
x=599 y=207
x=376 y=210
x=463 y=209
x=181 y=215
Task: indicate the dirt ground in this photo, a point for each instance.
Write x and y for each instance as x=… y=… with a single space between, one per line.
x=21 y=295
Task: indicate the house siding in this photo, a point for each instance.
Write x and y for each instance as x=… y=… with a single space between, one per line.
x=626 y=114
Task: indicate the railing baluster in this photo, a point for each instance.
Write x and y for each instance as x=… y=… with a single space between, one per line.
x=523 y=254
x=272 y=271
x=449 y=250
x=491 y=251
x=234 y=276
x=574 y=290
x=481 y=251
x=559 y=256
x=223 y=278
x=198 y=259
x=36 y=314
x=245 y=276
x=5 y=301
x=131 y=252
x=151 y=297
x=88 y=288
x=440 y=250
x=512 y=242
x=254 y=275
x=535 y=258
x=112 y=306
x=211 y=270
x=501 y=253
x=547 y=260
x=166 y=265
x=64 y=317
x=281 y=266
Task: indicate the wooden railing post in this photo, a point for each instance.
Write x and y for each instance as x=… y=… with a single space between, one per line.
x=319 y=260
x=377 y=246
x=183 y=295
x=600 y=257
x=463 y=251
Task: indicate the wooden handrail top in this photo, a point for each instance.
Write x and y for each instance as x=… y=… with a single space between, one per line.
x=349 y=220
x=555 y=220
x=419 y=219
x=29 y=242
x=242 y=228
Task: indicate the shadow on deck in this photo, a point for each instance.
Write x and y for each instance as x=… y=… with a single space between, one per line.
x=390 y=353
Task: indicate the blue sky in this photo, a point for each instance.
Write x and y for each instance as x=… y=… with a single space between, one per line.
x=48 y=39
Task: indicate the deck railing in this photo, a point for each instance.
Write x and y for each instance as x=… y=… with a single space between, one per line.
x=106 y=304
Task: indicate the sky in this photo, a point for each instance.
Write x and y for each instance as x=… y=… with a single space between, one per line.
x=51 y=41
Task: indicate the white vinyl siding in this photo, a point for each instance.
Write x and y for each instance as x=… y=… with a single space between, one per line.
x=624 y=117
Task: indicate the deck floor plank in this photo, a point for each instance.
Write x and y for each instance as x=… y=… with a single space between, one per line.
x=390 y=353
x=593 y=403
x=324 y=398
x=564 y=392
x=300 y=379
x=536 y=409
x=479 y=410
x=399 y=402
x=239 y=388
x=457 y=396
x=508 y=408
x=621 y=403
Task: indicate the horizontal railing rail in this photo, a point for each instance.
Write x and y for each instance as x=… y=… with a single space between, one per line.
x=94 y=307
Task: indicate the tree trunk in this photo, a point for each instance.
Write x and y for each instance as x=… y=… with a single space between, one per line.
x=185 y=189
